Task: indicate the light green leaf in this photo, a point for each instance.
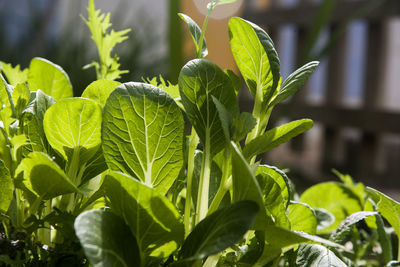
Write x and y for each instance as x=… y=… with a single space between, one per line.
x=100 y=90
x=199 y=80
x=246 y=187
x=236 y=80
x=153 y=220
x=50 y=78
x=20 y=97
x=6 y=188
x=74 y=123
x=166 y=86
x=334 y=197
x=302 y=218
x=255 y=56
x=106 y=239
x=273 y=138
x=294 y=82
x=44 y=177
x=324 y=218
x=195 y=32
x=273 y=199
x=14 y=75
x=388 y=207
x=223 y=2
x=219 y=230
x=143 y=134
x=344 y=228
x=280 y=178
x=5 y=152
x=317 y=256
x=277 y=239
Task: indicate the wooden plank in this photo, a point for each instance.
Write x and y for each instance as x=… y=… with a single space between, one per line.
x=304 y=14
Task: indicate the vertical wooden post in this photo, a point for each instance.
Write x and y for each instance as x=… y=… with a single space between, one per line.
x=175 y=41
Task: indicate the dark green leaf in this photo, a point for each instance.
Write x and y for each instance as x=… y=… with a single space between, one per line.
x=242 y=125
x=50 y=78
x=393 y=263
x=219 y=230
x=106 y=239
x=294 y=82
x=195 y=32
x=153 y=220
x=324 y=218
x=199 y=80
x=317 y=256
x=275 y=137
x=143 y=134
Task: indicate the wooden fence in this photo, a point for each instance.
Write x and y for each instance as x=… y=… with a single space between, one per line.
x=370 y=119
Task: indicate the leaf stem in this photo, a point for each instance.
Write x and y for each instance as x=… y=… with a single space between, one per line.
x=203 y=30
x=202 y=196
x=194 y=140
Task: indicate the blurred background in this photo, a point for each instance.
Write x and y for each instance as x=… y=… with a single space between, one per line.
x=354 y=96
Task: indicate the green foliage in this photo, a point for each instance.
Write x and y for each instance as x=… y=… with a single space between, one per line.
x=111 y=179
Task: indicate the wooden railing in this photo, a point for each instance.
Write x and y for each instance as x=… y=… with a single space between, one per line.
x=370 y=119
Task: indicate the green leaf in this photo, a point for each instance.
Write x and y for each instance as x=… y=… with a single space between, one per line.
x=236 y=80
x=5 y=152
x=50 y=78
x=106 y=239
x=153 y=220
x=302 y=218
x=199 y=80
x=393 y=263
x=334 y=197
x=105 y=42
x=295 y=80
x=388 y=207
x=219 y=230
x=225 y=117
x=74 y=123
x=246 y=187
x=317 y=256
x=280 y=178
x=278 y=239
x=223 y=2
x=278 y=135
x=20 y=97
x=33 y=117
x=6 y=188
x=44 y=177
x=195 y=32
x=242 y=125
x=14 y=75
x=143 y=134
x=273 y=199
x=344 y=228
x=324 y=218
x=255 y=56
x=100 y=90
x=166 y=86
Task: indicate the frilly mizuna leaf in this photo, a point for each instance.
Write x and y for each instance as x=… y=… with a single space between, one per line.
x=50 y=78
x=106 y=239
x=143 y=134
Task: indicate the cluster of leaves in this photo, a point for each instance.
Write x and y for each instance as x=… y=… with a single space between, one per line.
x=111 y=179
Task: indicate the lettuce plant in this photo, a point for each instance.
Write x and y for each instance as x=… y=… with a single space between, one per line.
x=157 y=174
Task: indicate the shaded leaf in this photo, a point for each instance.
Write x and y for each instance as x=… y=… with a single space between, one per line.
x=106 y=239
x=324 y=218
x=195 y=32
x=6 y=188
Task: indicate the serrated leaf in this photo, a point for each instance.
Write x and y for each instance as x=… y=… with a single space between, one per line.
x=294 y=82
x=255 y=56
x=246 y=187
x=6 y=188
x=334 y=197
x=143 y=134
x=50 y=78
x=100 y=90
x=219 y=230
x=106 y=240
x=388 y=207
x=195 y=33
x=44 y=177
x=199 y=80
x=302 y=218
x=14 y=75
x=153 y=220
x=317 y=256
x=345 y=226
x=276 y=136
x=166 y=86
x=74 y=124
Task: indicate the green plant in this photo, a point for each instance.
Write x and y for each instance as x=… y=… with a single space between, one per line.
x=110 y=178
